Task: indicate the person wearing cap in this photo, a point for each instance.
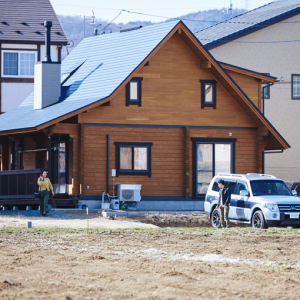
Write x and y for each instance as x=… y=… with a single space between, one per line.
x=224 y=203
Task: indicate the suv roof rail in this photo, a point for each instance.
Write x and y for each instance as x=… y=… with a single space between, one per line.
x=258 y=174
x=232 y=175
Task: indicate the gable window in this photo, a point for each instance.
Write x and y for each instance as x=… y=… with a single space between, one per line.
x=18 y=63
x=208 y=93
x=133 y=158
x=134 y=91
x=210 y=157
x=295 y=86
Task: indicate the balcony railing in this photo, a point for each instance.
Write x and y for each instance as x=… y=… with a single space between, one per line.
x=19 y=184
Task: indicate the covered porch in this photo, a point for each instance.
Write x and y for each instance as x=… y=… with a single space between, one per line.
x=25 y=154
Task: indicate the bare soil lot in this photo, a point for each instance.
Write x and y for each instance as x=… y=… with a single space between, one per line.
x=149 y=263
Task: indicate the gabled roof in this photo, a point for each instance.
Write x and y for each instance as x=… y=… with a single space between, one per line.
x=104 y=61
x=21 y=21
x=100 y=66
x=248 y=22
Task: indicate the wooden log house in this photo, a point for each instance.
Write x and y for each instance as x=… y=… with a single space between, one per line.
x=151 y=103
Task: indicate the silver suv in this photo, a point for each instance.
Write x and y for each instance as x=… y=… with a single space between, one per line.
x=257 y=199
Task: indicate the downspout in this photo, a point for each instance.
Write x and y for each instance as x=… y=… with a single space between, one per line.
x=107 y=165
x=263 y=95
x=263 y=112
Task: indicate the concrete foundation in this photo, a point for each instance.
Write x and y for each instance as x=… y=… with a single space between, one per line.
x=184 y=205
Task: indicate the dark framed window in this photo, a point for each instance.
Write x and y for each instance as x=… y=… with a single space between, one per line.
x=208 y=93
x=133 y=158
x=296 y=86
x=211 y=157
x=265 y=89
x=134 y=91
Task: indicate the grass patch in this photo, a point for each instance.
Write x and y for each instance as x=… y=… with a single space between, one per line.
x=166 y=231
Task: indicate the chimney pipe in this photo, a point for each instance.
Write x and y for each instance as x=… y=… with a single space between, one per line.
x=48 y=25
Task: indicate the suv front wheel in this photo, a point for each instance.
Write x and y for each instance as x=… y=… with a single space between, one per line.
x=216 y=219
x=258 y=220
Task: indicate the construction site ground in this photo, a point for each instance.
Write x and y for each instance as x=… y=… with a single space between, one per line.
x=154 y=257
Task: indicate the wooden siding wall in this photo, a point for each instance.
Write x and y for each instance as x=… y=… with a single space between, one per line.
x=171 y=95
x=29 y=158
x=251 y=86
x=171 y=165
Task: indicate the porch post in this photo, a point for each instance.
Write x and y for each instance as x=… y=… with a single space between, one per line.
x=12 y=155
x=49 y=156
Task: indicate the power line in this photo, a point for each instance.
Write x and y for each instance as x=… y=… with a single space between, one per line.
x=210 y=21
x=250 y=42
x=112 y=20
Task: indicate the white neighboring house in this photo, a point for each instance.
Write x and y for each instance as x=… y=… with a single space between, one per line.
x=267 y=39
x=22 y=43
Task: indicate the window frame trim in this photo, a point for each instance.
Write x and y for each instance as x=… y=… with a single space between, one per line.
x=214 y=93
x=268 y=89
x=19 y=62
x=292 y=87
x=133 y=145
x=195 y=141
x=139 y=92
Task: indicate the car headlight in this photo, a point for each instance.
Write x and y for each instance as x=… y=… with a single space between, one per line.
x=272 y=206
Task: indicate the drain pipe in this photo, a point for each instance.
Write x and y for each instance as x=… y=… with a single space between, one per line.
x=269 y=152
x=107 y=165
x=263 y=95
x=263 y=112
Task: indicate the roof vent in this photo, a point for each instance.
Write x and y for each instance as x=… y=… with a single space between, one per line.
x=4 y=23
x=24 y=23
x=130 y=29
x=18 y=32
x=38 y=32
x=58 y=33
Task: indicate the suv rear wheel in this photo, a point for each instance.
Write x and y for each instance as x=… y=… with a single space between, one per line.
x=258 y=220
x=216 y=219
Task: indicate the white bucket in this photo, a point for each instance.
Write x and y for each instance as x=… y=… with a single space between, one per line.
x=105 y=205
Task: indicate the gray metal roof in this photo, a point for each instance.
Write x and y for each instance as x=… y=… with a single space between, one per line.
x=32 y=13
x=248 y=22
x=105 y=63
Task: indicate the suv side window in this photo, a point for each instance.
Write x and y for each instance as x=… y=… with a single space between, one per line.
x=215 y=186
x=228 y=184
x=241 y=186
x=231 y=185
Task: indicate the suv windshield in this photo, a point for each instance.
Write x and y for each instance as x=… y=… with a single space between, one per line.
x=269 y=187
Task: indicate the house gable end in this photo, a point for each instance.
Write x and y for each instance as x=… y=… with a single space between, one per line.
x=171 y=95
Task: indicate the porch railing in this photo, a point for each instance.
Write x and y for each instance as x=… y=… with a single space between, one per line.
x=19 y=184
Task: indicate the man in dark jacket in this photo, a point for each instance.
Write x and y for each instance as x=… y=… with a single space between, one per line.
x=224 y=203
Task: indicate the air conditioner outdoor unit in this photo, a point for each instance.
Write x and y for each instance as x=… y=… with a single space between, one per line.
x=129 y=192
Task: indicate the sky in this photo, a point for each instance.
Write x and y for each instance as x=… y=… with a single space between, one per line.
x=108 y=10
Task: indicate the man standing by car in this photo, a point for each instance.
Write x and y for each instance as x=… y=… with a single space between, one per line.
x=224 y=203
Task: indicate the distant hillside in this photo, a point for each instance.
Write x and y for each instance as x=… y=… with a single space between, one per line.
x=73 y=25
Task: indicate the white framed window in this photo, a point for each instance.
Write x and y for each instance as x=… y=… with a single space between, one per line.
x=18 y=63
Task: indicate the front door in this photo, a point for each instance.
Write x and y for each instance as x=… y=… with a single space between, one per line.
x=59 y=167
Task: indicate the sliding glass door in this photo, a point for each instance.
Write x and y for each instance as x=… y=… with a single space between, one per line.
x=59 y=167
x=211 y=158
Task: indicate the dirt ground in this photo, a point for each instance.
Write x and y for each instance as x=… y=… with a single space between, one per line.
x=168 y=220
x=149 y=263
